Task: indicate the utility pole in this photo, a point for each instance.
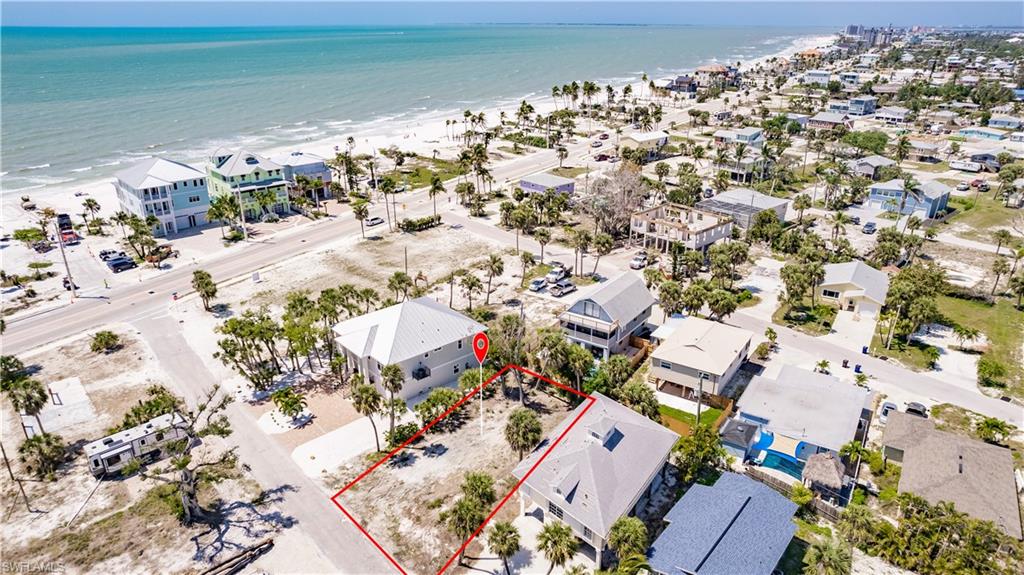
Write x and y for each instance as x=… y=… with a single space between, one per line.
x=241 y=214
x=67 y=269
x=21 y=487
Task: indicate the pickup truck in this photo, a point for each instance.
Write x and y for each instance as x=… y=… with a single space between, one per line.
x=556 y=274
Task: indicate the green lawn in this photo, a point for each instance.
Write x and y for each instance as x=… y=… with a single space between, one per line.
x=815 y=320
x=911 y=355
x=423 y=169
x=708 y=415
x=927 y=167
x=1002 y=324
x=982 y=218
x=951 y=182
x=569 y=171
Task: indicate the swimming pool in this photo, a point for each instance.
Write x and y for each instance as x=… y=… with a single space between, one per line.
x=787 y=466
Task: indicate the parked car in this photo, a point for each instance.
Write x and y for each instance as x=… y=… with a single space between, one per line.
x=977 y=182
x=562 y=287
x=600 y=157
x=855 y=220
x=638 y=262
x=887 y=408
x=118 y=265
x=374 y=221
x=709 y=193
x=538 y=284
x=869 y=228
x=596 y=144
x=963 y=187
x=107 y=255
x=915 y=408
x=67 y=283
x=603 y=136
x=613 y=159
x=983 y=187
x=556 y=274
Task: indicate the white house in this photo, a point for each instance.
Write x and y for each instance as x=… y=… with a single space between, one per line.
x=606 y=467
x=699 y=355
x=854 y=286
x=429 y=341
x=174 y=192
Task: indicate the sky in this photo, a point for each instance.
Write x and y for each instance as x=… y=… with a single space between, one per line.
x=831 y=13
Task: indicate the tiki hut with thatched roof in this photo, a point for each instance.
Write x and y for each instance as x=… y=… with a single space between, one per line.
x=823 y=473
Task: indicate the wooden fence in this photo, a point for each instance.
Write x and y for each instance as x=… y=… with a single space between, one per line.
x=819 y=506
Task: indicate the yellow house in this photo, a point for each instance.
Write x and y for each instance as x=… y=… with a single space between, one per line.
x=854 y=286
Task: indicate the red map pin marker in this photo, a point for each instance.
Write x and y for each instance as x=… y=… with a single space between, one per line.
x=480 y=345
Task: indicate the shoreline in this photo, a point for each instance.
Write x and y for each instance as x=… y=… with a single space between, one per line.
x=415 y=130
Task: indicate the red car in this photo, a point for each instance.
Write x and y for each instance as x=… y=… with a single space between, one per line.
x=976 y=183
x=603 y=136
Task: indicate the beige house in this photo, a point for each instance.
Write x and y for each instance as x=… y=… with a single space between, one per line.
x=650 y=142
x=854 y=286
x=661 y=226
x=698 y=355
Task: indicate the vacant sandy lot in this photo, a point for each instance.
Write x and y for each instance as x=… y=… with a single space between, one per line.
x=400 y=504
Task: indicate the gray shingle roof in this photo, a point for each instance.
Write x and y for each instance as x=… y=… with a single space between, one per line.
x=736 y=526
x=976 y=477
x=600 y=467
x=875 y=283
x=830 y=117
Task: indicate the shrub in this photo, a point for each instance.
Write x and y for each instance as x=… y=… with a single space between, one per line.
x=419 y=224
x=105 y=342
x=743 y=295
x=401 y=434
x=991 y=372
x=763 y=350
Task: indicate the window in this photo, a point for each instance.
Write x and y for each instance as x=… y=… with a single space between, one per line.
x=591 y=309
x=587 y=533
x=193 y=199
x=831 y=294
x=160 y=436
x=460 y=344
x=175 y=185
x=704 y=376
x=455 y=368
x=664 y=364
x=95 y=462
x=554 y=510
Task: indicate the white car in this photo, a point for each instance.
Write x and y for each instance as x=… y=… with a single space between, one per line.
x=556 y=274
x=887 y=408
x=638 y=262
x=538 y=284
x=374 y=221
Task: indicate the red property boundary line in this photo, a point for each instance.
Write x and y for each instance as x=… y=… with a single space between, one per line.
x=479 y=389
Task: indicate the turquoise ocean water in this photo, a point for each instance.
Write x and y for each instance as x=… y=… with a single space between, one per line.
x=79 y=104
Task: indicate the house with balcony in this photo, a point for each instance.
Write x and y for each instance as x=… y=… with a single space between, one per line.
x=715 y=76
x=893 y=115
x=649 y=142
x=661 y=226
x=248 y=177
x=927 y=201
x=604 y=319
x=430 y=342
x=817 y=77
x=698 y=356
x=861 y=105
x=174 y=192
x=922 y=151
x=682 y=84
x=798 y=414
x=751 y=136
x=745 y=169
x=607 y=466
x=309 y=166
x=849 y=79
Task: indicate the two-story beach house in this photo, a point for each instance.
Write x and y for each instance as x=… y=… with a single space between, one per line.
x=927 y=201
x=248 y=176
x=869 y=166
x=893 y=115
x=661 y=226
x=602 y=321
x=310 y=166
x=751 y=136
x=698 y=355
x=429 y=341
x=174 y=192
x=607 y=466
x=817 y=77
x=854 y=286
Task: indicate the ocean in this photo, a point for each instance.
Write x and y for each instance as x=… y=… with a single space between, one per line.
x=79 y=104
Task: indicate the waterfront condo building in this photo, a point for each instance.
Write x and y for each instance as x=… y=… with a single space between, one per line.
x=248 y=176
x=175 y=193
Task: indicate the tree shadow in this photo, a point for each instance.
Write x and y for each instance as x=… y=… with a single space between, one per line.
x=221 y=310
x=237 y=525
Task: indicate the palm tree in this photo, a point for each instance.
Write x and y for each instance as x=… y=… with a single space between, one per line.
x=470 y=285
x=392 y=380
x=628 y=536
x=563 y=153
x=1002 y=237
x=503 y=540
x=999 y=267
x=464 y=517
x=121 y=218
x=436 y=189
x=965 y=334
x=542 y=236
x=91 y=206
x=603 y=244
x=557 y=542
x=993 y=430
x=494 y=267
x=361 y=211
x=289 y=402
x=901 y=150
x=368 y=402
x=29 y=396
x=42 y=453
x=801 y=203
x=1016 y=284
x=523 y=431
x=909 y=189
x=828 y=557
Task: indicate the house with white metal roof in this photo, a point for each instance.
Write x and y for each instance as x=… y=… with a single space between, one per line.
x=854 y=286
x=800 y=413
x=606 y=467
x=430 y=342
x=174 y=192
x=543 y=181
x=699 y=355
x=310 y=166
x=603 y=320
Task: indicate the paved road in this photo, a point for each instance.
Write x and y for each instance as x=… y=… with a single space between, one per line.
x=128 y=302
x=271 y=464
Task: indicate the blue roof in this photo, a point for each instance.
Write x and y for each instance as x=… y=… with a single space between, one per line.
x=735 y=526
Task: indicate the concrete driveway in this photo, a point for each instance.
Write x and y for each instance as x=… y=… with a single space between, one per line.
x=851 y=330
